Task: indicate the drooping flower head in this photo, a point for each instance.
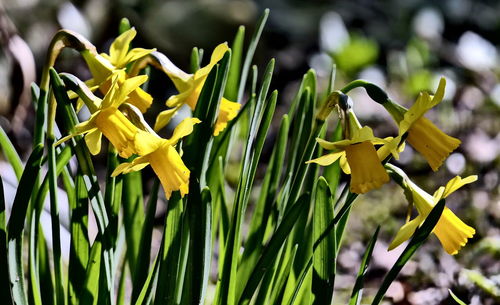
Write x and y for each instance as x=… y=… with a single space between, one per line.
x=358 y=156
x=163 y=157
x=107 y=119
x=451 y=231
x=434 y=145
x=103 y=66
x=190 y=86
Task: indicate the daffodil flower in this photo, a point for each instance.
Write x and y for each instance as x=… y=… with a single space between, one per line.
x=190 y=86
x=358 y=157
x=103 y=66
x=451 y=231
x=108 y=120
x=434 y=145
x=164 y=159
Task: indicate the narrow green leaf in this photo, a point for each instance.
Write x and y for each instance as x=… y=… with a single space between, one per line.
x=15 y=225
x=45 y=272
x=357 y=290
x=142 y=265
x=80 y=245
x=308 y=82
x=324 y=258
x=120 y=296
x=278 y=287
x=201 y=243
x=419 y=237
x=147 y=289
x=10 y=153
x=170 y=252
x=270 y=251
x=263 y=208
x=133 y=216
x=250 y=52
x=91 y=285
x=260 y=121
x=4 y=276
x=231 y=92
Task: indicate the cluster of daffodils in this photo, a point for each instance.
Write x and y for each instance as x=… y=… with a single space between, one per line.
x=118 y=115
x=365 y=158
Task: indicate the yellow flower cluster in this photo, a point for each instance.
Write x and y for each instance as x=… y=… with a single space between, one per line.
x=358 y=157
x=113 y=76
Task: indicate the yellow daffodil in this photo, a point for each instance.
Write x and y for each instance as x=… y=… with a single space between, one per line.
x=163 y=158
x=103 y=66
x=189 y=87
x=108 y=120
x=434 y=145
x=451 y=231
x=358 y=157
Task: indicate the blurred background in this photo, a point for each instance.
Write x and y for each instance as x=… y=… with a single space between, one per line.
x=402 y=46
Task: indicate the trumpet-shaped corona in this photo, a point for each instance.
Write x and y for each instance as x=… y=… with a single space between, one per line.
x=163 y=158
x=190 y=86
x=451 y=231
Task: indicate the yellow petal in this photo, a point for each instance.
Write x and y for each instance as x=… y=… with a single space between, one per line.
x=456 y=183
x=434 y=145
x=134 y=55
x=344 y=165
x=136 y=165
x=228 y=111
x=99 y=67
x=93 y=141
x=183 y=129
x=164 y=118
x=119 y=48
x=179 y=99
x=217 y=55
x=118 y=130
x=367 y=173
x=327 y=159
x=406 y=232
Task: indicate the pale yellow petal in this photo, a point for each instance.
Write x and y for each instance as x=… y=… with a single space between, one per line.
x=227 y=111
x=327 y=159
x=164 y=118
x=406 y=232
x=136 y=165
x=93 y=141
x=119 y=48
x=344 y=165
x=183 y=129
x=456 y=183
x=135 y=54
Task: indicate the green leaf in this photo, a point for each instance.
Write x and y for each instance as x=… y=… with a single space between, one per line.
x=11 y=154
x=91 y=287
x=200 y=242
x=146 y=291
x=4 y=276
x=250 y=52
x=80 y=245
x=281 y=279
x=260 y=122
x=169 y=262
x=419 y=237
x=142 y=263
x=15 y=225
x=271 y=250
x=231 y=92
x=195 y=59
x=263 y=208
x=324 y=258
x=133 y=216
x=357 y=290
